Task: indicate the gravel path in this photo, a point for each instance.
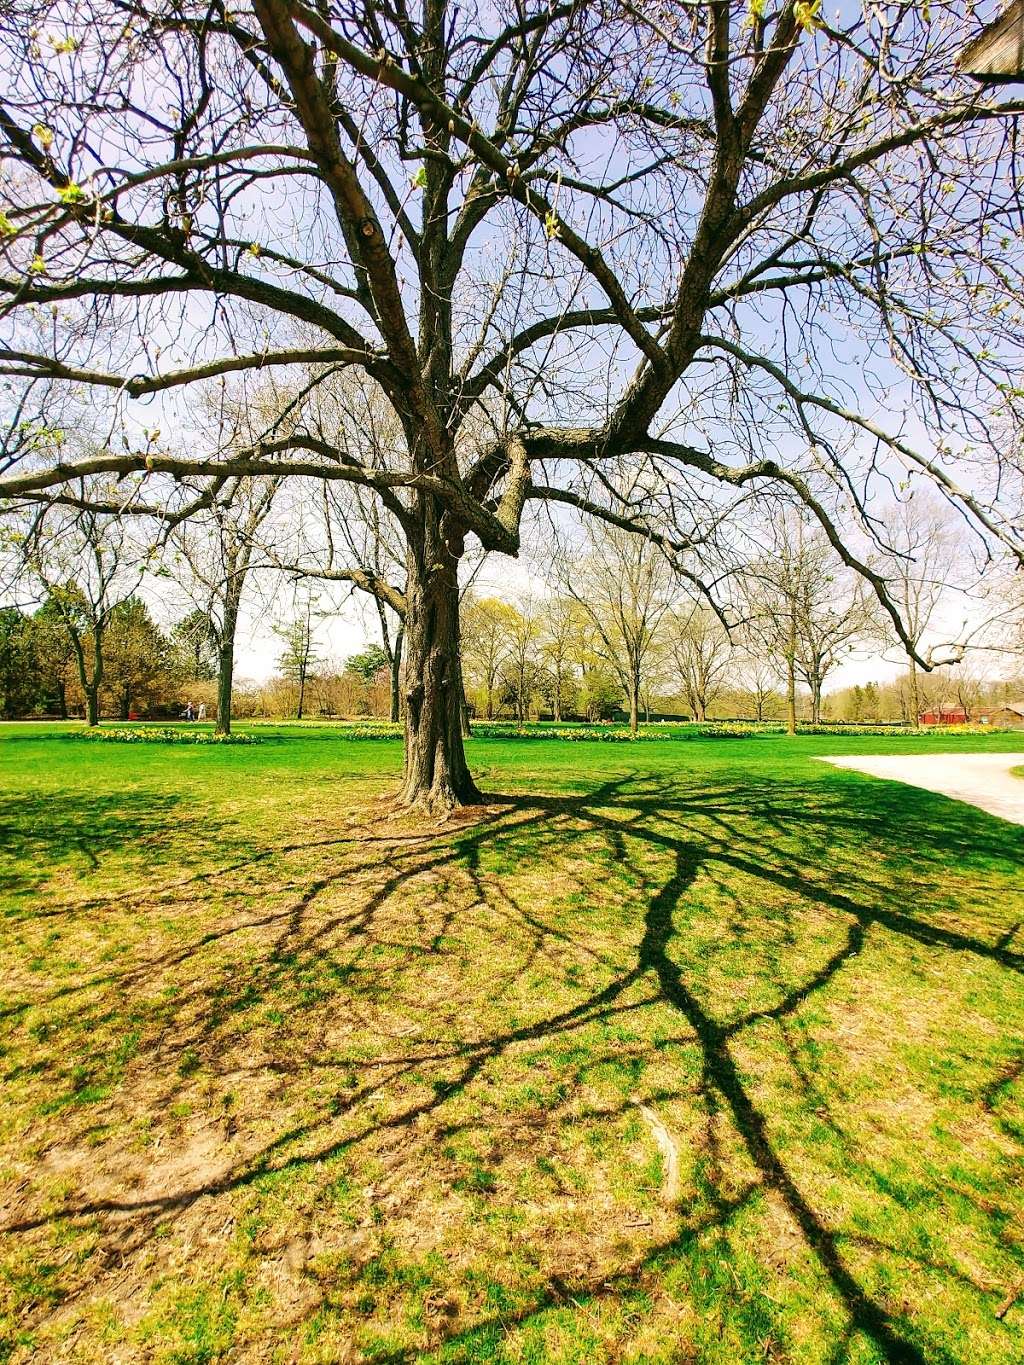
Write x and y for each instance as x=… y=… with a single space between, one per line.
x=982 y=780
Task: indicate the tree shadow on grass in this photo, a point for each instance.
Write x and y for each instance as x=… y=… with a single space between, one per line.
x=780 y=837
x=43 y=829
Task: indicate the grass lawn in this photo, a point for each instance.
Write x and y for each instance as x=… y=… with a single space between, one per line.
x=688 y=1050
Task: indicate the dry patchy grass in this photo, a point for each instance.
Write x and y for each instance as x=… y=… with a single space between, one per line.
x=288 y=1078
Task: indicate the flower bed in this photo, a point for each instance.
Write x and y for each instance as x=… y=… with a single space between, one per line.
x=578 y=734
x=151 y=734
x=904 y=731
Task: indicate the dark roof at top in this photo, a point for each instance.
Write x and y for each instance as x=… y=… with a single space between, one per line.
x=997 y=53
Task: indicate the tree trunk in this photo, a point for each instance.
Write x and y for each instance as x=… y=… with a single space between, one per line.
x=790 y=696
x=791 y=674
x=396 y=677
x=302 y=694
x=915 y=697
x=634 y=711
x=226 y=666
x=225 y=676
x=90 y=683
x=437 y=777
x=816 y=702
x=126 y=702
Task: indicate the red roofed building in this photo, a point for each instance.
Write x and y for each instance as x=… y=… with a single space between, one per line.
x=945 y=713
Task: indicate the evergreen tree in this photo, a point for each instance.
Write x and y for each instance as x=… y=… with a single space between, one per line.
x=55 y=653
x=194 y=647
x=19 y=666
x=138 y=658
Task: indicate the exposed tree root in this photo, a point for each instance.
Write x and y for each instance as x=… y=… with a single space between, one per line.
x=669 y=1153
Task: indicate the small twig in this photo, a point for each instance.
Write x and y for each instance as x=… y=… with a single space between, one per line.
x=669 y=1155
x=1010 y=1300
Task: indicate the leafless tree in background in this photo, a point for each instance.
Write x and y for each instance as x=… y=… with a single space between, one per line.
x=773 y=592
x=801 y=613
x=755 y=674
x=702 y=655
x=218 y=546
x=920 y=567
x=832 y=620
x=87 y=564
x=299 y=656
x=623 y=585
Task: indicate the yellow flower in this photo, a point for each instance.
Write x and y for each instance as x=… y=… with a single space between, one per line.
x=806 y=14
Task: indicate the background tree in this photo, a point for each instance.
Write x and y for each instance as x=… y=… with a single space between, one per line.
x=55 y=655
x=219 y=548
x=920 y=569
x=194 y=648
x=357 y=538
x=789 y=600
x=600 y=691
x=702 y=654
x=521 y=664
x=138 y=667
x=20 y=673
x=368 y=663
x=486 y=630
x=623 y=585
x=300 y=655
x=87 y=563
x=560 y=628
x=831 y=620
x=756 y=676
x=969 y=686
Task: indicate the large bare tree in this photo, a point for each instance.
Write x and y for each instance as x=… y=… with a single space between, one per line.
x=555 y=236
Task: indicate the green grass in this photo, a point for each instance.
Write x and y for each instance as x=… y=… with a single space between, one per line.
x=289 y=1077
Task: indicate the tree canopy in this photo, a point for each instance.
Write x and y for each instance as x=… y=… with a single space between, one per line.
x=733 y=248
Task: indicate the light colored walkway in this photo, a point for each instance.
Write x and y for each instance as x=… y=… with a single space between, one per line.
x=982 y=780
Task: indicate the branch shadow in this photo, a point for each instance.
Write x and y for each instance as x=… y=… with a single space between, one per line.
x=668 y=835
